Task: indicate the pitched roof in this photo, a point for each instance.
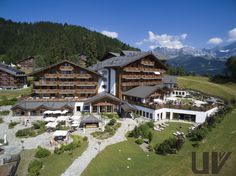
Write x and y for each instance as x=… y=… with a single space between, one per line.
x=121 y=61
x=143 y=91
x=11 y=70
x=27 y=58
x=60 y=62
x=101 y=96
x=169 y=79
x=30 y=105
x=129 y=53
x=89 y=119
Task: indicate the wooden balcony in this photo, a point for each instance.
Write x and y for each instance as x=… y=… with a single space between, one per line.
x=83 y=76
x=132 y=69
x=67 y=83
x=66 y=75
x=148 y=63
x=50 y=75
x=145 y=83
x=66 y=91
x=85 y=91
x=45 y=83
x=45 y=91
x=153 y=76
x=66 y=68
x=86 y=83
x=146 y=69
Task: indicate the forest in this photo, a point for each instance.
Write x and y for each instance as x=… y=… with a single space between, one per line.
x=50 y=42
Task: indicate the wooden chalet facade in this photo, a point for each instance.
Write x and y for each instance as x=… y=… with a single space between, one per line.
x=65 y=80
x=11 y=78
x=132 y=70
x=27 y=64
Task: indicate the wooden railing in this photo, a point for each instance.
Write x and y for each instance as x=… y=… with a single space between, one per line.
x=44 y=91
x=149 y=63
x=66 y=91
x=140 y=83
x=66 y=68
x=85 y=91
x=45 y=83
x=67 y=83
x=85 y=76
x=54 y=75
x=143 y=69
x=153 y=76
x=86 y=83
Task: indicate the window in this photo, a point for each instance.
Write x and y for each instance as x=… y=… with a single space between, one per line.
x=104 y=79
x=86 y=108
x=151 y=116
x=104 y=86
x=104 y=72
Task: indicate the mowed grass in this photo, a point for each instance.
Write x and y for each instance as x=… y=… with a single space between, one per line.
x=9 y=94
x=113 y=160
x=56 y=164
x=53 y=165
x=226 y=91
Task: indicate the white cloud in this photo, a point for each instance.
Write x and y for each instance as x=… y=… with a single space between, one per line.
x=110 y=34
x=215 y=41
x=232 y=35
x=163 y=40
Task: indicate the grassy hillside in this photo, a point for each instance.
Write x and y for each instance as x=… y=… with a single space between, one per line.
x=226 y=91
x=113 y=160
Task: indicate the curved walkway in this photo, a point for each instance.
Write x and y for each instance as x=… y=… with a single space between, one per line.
x=81 y=163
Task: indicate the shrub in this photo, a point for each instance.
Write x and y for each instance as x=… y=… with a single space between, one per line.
x=150 y=147
x=71 y=146
x=85 y=138
x=112 y=122
x=150 y=136
x=195 y=144
x=27 y=132
x=42 y=152
x=139 y=141
x=1 y=120
x=4 y=113
x=12 y=124
x=150 y=124
x=34 y=167
x=59 y=150
x=169 y=146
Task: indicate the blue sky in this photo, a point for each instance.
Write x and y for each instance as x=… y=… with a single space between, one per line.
x=141 y=23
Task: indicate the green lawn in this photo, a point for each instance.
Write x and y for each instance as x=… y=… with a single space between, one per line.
x=53 y=165
x=113 y=160
x=56 y=164
x=9 y=94
x=159 y=137
x=202 y=84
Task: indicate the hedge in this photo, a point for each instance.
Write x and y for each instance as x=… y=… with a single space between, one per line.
x=42 y=152
x=34 y=167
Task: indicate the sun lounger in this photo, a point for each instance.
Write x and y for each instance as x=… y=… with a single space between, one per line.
x=166 y=124
x=157 y=129
x=175 y=134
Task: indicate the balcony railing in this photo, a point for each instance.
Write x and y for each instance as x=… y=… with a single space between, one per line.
x=83 y=76
x=141 y=76
x=132 y=69
x=85 y=91
x=143 y=69
x=66 y=75
x=44 y=91
x=149 y=63
x=87 y=83
x=69 y=68
x=45 y=83
x=146 y=83
x=67 y=83
x=66 y=91
x=50 y=75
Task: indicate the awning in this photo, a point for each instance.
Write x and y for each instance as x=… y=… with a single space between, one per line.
x=50 y=119
x=64 y=111
x=60 y=133
x=51 y=125
x=62 y=118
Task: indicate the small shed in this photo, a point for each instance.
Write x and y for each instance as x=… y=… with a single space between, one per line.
x=90 y=122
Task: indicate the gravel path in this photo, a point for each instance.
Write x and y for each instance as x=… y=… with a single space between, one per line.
x=14 y=144
x=81 y=163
